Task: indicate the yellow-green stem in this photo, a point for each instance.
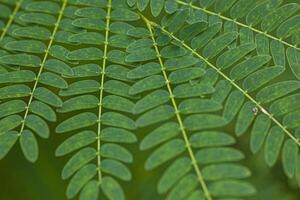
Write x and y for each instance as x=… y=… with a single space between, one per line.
x=179 y=119
x=102 y=89
x=61 y=12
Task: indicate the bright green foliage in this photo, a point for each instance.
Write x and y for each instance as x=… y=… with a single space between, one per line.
x=193 y=78
x=99 y=92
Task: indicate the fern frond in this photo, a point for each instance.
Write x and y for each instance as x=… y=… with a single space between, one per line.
x=99 y=90
x=272 y=17
x=247 y=82
x=181 y=79
x=33 y=55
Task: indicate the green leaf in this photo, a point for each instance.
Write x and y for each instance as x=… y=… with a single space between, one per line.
x=231 y=188
x=259 y=132
x=21 y=60
x=32 y=32
x=143 y=71
x=233 y=104
x=184 y=75
x=47 y=97
x=117 y=152
x=78 y=121
x=118 y=88
x=117 y=72
x=7 y=141
x=89 y=23
x=273 y=145
x=80 y=179
x=204 y=121
x=14 y=91
x=91 y=12
x=159 y=114
x=111 y=134
x=210 y=139
x=75 y=142
x=241 y=8
x=173 y=174
x=245 y=118
x=248 y=66
x=181 y=62
x=21 y=76
x=87 y=70
x=225 y=171
x=279 y=15
x=201 y=40
x=29 y=146
x=77 y=161
x=289 y=157
x=122 y=14
x=38 y=18
x=79 y=103
x=141 y=55
x=294 y=60
x=43 y=6
x=190 y=106
x=186 y=185
x=54 y=80
x=172 y=51
x=120 y=41
x=118 y=120
x=112 y=189
x=278 y=53
x=192 y=90
x=146 y=84
x=139 y=45
x=215 y=46
x=156 y=7
x=28 y=46
x=231 y=56
x=218 y=155
x=291 y=120
x=261 y=77
x=12 y=107
x=116 y=168
x=86 y=38
x=260 y=10
x=58 y=67
x=117 y=103
x=165 y=153
x=9 y=123
x=160 y=135
x=277 y=90
x=285 y=104
x=90 y=191
x=80 y=87
x=90 y=53
x=151 y=100
x=38 y=125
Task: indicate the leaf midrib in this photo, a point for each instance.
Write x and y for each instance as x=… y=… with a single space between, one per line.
x=59 y=18
x=287 y=132
x=102 y=89
x=178 y=116
x=239 y=23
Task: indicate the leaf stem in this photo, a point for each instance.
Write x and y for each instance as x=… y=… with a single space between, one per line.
x=11 y=19
x=257 y=104
x=238 y=23
x=177 y=112
x=102 y=89
x=43 y=64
